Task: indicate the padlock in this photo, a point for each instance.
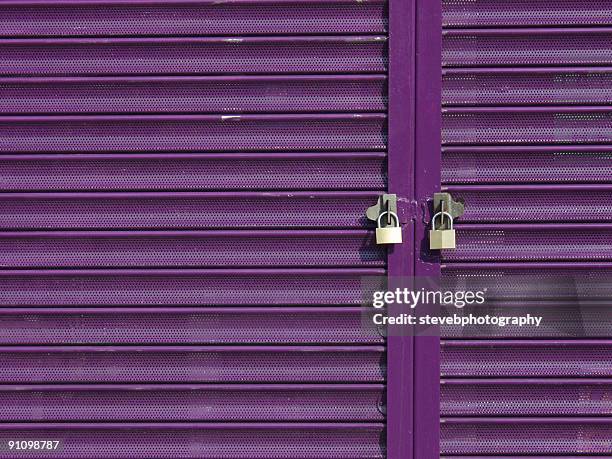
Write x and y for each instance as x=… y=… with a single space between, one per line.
x=389 y=234
x=441 y=238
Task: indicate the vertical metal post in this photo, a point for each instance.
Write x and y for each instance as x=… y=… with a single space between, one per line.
x=414 y=173
x=401 y=148
x=428 y=92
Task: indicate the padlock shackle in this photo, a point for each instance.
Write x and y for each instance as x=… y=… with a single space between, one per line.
x=393 y=215
x=433 y=220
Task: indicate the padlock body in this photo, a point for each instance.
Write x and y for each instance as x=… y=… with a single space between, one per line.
x=442 y=239
x=389 y=235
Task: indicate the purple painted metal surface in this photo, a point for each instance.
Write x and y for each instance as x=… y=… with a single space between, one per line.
x=526 y=134
x=154 y=17
x=189 y=287
x=522 y=86
x=400 y=350
x=184 y=210
x=540 y=280
x=526 y=397
x=193 y=171
x=526 y=164
x=532 y=242
x=129 y=93
x=560 y=318
x=189 y=248
x=526 y=436
x=491 y=13
x=531 y=203
x=187 y=325
x=206 y=440
x=193 y=94
x=527 y=125
x=189 y=402
x=162 y=133
x=527 y=358
x=527 y=46
x=223 y=364
x=427 y=121
x=216 y=55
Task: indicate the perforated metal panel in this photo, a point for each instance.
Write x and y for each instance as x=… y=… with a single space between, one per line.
x=183 y=187
x=530 y=164
x=222 y=440
x=193 y=171
x=526 y=397
x=159 y=56
x=527 y=47
x=518 y=86
x=530 y=125
x=183 y=210
x=150 y=287
x=527 y=436
x=190 y=248
x=491 y=13
x=532 y=243
x=185 y=325
x=189 y=17
x=160 y=133
x=526 y=147
x=194 y=94
x=210 y=402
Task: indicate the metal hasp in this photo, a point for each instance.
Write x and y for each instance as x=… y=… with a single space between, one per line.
x=384 y=213
x=386 y=203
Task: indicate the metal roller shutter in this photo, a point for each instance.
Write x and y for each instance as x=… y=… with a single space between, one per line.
x=526 y=93
x=183 y=187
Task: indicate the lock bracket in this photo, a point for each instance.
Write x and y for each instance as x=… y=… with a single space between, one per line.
x=405 y=209
x=386 y=203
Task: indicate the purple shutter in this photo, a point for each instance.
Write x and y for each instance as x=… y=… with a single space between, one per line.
x=527 y=123
x=183 y=187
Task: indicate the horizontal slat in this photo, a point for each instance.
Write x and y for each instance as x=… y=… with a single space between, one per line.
x=48 y=364
x=588 y=86
x=107 y=18
x=178 y=325
x=530 y=242
x=275 y=403
x=193 y=171
x=193 y=94
x=490 y=13
x=526 y=125
x=547 y=164
x=571 y=318
x=256 y=55
x=196 y=133
x=526 y=436
x=507 y=397
x=529 y=358
x=509 y=47
x=527 y=203
x=183 y=287
x=520 y=281
x=212 y=441
x=125 y=249
x=184 y=210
